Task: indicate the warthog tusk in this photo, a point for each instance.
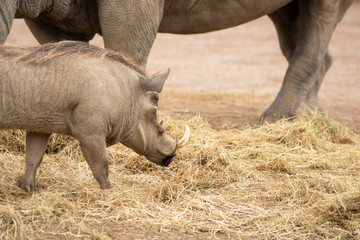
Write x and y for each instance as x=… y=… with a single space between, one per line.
x=182 y=141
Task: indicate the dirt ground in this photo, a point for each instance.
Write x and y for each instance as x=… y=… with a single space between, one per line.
x=231 y=76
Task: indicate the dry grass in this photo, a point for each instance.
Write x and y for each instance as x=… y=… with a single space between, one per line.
x=296 y=179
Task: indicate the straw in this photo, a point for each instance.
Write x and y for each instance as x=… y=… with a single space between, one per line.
x=296 y=179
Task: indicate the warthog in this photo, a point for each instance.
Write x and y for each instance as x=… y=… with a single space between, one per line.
x=92 y=94
x=304 y=28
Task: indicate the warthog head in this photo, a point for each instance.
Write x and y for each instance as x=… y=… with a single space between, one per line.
x=148 y=138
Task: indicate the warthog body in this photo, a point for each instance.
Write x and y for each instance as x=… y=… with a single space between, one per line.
x=92 y=94
x=304 y=28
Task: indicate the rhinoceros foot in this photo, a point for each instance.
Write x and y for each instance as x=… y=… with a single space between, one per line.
x=273 y=114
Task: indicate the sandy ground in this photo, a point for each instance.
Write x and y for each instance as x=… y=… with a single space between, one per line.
x=231 y=76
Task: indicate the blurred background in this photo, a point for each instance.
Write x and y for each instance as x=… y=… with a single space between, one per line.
x=231 y=76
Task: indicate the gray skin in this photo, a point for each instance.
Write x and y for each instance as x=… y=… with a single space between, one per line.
x=97 y=100
x=130 y=27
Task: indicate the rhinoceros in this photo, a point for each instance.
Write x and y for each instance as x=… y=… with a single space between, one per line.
x=304 y=28
x=92 y=94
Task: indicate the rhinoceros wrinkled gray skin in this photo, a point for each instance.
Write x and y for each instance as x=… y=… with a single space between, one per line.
x=304 y=28
x=92 y=94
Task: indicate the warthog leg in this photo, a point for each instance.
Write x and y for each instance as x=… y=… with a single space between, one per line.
x=35 y=149
x=94 y=151
x=304 y=29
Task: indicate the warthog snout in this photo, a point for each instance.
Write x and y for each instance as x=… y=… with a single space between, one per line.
x=179 y=144
x=166 y=162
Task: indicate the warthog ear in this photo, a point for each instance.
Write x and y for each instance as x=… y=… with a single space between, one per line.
x=155 y=82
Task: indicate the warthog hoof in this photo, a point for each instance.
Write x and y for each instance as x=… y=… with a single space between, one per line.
x=105 y=185
x=28 y=185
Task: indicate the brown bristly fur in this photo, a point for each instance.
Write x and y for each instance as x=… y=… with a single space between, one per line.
x=46 y=53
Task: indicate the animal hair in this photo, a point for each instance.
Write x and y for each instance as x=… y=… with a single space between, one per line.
x=46 y=53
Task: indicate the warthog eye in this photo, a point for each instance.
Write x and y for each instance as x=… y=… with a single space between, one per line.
x=155 y=98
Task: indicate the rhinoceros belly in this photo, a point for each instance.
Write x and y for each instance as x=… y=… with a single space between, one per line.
x=199 y=16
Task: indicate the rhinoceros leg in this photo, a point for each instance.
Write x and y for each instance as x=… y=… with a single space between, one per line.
x=35 y=149
x=286 y=21
x=7 y=15
x=312 y=97
x=304 y=29
x=94 y=151
x=130 y=27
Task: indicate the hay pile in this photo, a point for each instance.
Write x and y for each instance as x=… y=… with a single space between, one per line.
x=295 y=179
